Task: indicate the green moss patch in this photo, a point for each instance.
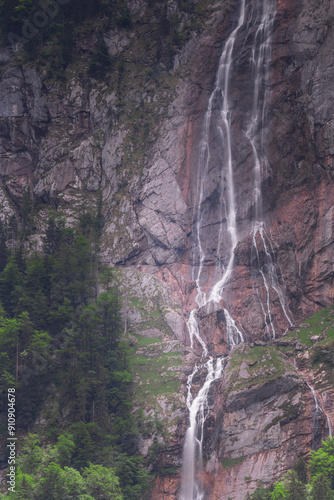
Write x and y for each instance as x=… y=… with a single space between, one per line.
x=231 y=462
x=169 y=471
x=155 y=376
x=144 y=341
x=274 y=421
x=320 y=355
x=320 y=323
x=255 y=366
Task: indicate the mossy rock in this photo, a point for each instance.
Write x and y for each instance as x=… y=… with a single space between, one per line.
x=257 y=365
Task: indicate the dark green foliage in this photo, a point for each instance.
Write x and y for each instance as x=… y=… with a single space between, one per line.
x=3 y=248
x=50 y=472
x=43 y=474
x=324 y=354
x=154 y=455
x=121 y=13
x=61 y=341
x=102 y=483
x=53 y=236
x=79 y=10
x=101 y=62
x=134 y=479
x=10 y=286
x=45 y=29
x=322 y=461
x=85 y=438
x=26 y=211
x=33 y=19
x=300 y=468
x=321 y=489
x=67 y=43
x=296 y=490
x=260 y=494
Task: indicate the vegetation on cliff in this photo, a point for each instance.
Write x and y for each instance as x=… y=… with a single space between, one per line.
x=48 y=30
x=302 y=482
x=61 y=350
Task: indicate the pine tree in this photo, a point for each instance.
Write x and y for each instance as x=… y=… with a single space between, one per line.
x=301 y=469
x=322 y=460
x=321 y=489
x=102 y=483
x=296 y=490
x=101 y=62
x=3 y=248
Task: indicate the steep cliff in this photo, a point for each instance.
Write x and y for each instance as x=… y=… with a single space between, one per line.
x=131 y=141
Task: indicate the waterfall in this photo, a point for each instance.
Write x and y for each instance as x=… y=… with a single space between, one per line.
x=329 y=424
x=192 y=488
x=269 y=271
x=256 y=130
x=319 y=409
x=218 y=118
x=317 y=416
x=260 y=60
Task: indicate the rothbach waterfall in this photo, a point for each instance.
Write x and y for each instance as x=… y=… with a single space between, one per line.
x=254 y=26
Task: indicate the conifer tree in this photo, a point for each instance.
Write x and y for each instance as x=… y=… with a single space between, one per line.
x=296 y=490
x=301 y=469
x=321 y=489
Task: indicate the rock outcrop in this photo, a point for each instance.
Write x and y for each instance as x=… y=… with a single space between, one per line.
x=262 y=425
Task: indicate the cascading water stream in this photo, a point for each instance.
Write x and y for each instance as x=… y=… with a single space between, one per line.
x=330 y=428
x=261 y=57
x=319 y=410
x=262 y=16
x=191 y=488
x=269 y=273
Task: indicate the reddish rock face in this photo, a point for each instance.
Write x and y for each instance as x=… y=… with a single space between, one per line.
x=296 y=182
x=298 y=208
x=250 y=417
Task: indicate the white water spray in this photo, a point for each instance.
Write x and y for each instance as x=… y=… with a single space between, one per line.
x=260 y=58
x=330 y=428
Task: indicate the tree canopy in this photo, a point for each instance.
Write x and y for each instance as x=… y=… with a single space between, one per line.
x=61 y=350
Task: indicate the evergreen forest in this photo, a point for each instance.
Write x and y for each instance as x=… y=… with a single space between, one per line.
x=61 y=349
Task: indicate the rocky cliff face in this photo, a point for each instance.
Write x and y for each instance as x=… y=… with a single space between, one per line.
x=133 y=140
